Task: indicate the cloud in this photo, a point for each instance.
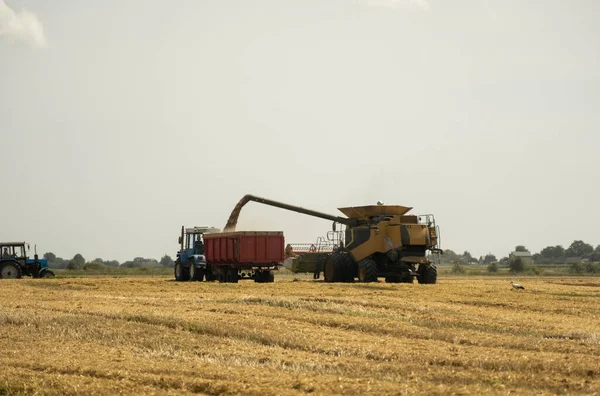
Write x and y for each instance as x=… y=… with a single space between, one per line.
x=420 y=4
x=22 y=26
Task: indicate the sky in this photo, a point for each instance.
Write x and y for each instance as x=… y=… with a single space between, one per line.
x=121 y=121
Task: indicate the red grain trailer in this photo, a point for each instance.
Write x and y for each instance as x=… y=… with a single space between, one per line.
x=244 y=254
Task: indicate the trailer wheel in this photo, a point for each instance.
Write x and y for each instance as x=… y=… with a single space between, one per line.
x=232 y=275
x=202 y=274
x=222 y=274
x=263 y=277
x=270 y=277
x=335 y=268
x=367 y=270
x=210 y=275
x=182 y=273
x=10 y=270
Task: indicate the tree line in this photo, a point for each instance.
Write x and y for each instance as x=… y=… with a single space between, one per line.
x=577 y=251
x=78 y=262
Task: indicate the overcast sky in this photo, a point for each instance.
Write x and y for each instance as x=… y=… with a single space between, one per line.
x=120 y=121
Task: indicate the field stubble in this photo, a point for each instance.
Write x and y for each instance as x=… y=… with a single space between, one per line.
x=153 y=335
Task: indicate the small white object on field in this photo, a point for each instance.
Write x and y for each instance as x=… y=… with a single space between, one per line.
x=516 y=285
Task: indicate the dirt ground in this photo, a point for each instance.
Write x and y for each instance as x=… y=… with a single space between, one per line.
x=151 y=335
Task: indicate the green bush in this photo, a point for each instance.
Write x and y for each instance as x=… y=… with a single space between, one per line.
x=93 y=266
x=458 y=269
x=493 y=267
x=576 y=268
x=533 y=270
x=592 y=268
x=516 y=265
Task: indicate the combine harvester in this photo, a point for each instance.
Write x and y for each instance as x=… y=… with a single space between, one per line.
x=380 y=241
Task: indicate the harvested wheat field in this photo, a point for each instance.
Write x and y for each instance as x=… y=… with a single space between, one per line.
x=156 y=336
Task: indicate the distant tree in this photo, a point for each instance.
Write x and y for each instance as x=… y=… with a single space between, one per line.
x=111 y=263
x=59 y=263
x=72 y=265
x=94 y=265
x=493 y=267
x=467 y=258
x=140 y=262
x=550 y=254
x=579 y=249
x=51 y=257
x=521 y=248
x=595 y=256
x=79 y=260
x=516 y=264
x=166 y=261
x=450 y=256
x=128 y=264
x=489 y=258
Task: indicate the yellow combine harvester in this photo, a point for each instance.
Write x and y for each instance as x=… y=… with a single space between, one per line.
x=379 y=241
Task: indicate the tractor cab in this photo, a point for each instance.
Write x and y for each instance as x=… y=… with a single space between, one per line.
x=14 y=262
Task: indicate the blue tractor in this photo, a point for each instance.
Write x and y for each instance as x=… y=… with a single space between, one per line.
x=190 y=264
x=15 y=264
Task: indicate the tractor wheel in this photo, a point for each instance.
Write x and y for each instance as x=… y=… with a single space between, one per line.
x=10 y=270
x=367 y=270
x=427 y=274
x=46 y=273
x=193 y=272
x=335 y=268
x=232 y=275
x=201 y=274
x=182 y=273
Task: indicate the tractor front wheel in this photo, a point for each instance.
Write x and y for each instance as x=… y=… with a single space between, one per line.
x=10 y=270
x=194 y=272
x=182 y=273
x=201 y=274
x=46 y=273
